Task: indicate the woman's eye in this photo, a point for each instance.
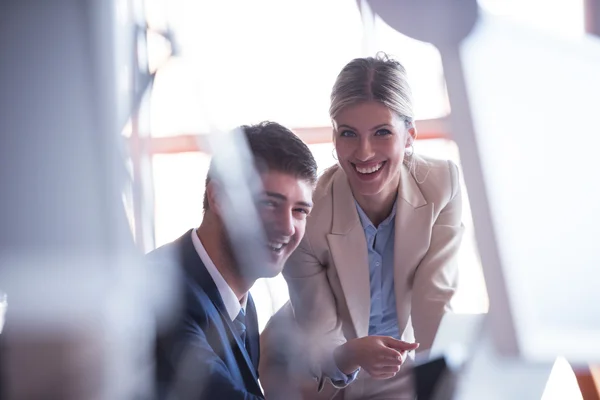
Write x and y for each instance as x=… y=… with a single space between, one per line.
x=383 y=132
x=347 y=134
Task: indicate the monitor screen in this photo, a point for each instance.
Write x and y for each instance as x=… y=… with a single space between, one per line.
x=535 y=100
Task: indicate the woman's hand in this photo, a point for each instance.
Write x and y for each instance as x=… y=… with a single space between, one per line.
x=380 y=356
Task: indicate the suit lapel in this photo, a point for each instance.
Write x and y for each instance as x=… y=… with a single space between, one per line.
x=412 y=229
x=349 y=252
x=196 y=269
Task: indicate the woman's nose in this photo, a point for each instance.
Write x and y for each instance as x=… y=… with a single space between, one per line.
x=364 y=151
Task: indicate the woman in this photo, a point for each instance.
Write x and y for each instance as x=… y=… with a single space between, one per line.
x=378 y=260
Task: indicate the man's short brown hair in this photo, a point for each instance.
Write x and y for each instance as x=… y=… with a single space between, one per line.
x=276 y=148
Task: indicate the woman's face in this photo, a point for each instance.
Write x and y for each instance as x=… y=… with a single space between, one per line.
x=370 y=141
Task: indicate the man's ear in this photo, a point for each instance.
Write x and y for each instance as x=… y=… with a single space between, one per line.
x=212 y=195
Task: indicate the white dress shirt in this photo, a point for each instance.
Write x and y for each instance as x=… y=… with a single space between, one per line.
x=232 y=304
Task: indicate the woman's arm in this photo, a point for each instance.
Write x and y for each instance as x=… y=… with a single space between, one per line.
x=436 y=276
x=316 y=312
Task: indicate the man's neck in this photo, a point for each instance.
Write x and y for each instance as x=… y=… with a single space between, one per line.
x=211 y=238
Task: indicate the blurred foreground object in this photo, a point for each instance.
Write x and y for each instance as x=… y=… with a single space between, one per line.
x=3 y=305
x=78 y=324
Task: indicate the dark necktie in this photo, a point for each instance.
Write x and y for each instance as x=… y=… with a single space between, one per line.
x=240 y=325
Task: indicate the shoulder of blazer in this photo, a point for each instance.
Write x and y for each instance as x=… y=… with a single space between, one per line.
x=437 y=179
x=322 y=195
x=325 y=182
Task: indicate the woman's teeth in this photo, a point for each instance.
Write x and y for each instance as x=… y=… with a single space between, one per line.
x=368 y=170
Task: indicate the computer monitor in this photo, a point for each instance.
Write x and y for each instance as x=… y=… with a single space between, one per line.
x=535 y=99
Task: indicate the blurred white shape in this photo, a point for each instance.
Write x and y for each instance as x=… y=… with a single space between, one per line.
x=159 y=50
x=3 y=306
x=178 y=202
x=535 y=99
x=562 y=384
x=269 y=295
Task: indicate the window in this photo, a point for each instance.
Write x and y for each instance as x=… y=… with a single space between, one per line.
x=179 y=190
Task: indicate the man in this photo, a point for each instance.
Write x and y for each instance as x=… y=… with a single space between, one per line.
x=212 y=351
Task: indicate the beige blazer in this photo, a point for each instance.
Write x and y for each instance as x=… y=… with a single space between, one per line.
x=328 y=275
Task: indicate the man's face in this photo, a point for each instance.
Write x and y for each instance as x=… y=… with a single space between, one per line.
x=283 y=206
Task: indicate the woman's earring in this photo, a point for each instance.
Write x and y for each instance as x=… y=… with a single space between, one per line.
x=333 y=154
x=409 y=151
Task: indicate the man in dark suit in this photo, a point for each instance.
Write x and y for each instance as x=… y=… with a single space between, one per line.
x=212 y=350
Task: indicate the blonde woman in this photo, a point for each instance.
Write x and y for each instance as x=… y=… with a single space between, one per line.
x=376 y=269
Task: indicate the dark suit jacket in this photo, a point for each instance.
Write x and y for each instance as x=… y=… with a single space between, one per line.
x=201 y=356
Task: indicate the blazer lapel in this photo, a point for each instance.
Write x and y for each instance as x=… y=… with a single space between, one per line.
x=349 y=252
x=412 y=229
x=196 y=269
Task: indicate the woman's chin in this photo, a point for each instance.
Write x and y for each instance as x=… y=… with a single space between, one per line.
x=375 y=187
x=365 y=188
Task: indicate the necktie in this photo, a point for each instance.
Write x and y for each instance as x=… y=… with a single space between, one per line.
x=240 y=325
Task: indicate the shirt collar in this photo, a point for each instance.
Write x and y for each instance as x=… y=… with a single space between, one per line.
x=366 y=222
x=232 y=305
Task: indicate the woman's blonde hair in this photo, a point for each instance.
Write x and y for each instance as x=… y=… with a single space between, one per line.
x=378 y=78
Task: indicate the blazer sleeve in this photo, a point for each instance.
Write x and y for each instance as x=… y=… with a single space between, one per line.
x=310 y=292
x=200 y=373
x=315 y=308
x=436 y=276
